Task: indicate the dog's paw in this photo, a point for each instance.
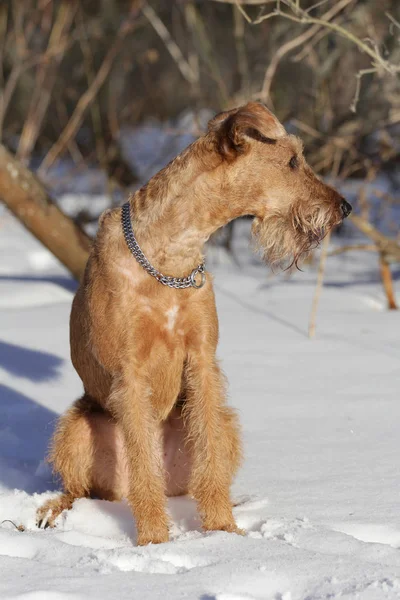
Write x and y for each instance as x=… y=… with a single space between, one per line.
x=236 y=530
x=45 y=517
x=47 y=514
x=159 y=536
x=233 y=529
x=229 y=527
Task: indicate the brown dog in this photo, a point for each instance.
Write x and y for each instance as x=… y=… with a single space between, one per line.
x=153 y=420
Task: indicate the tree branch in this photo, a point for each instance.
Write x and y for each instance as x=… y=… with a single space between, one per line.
x=27 y=199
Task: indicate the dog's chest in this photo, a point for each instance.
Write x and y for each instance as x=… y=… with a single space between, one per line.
x=167 y=321
x=163 y=347
x=160 y=317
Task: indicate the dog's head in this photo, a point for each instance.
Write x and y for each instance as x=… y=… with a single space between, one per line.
x=293 y=208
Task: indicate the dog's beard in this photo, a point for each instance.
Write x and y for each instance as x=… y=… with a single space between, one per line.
x=285 y=239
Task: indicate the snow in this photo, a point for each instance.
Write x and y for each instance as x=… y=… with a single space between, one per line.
x=318 y=493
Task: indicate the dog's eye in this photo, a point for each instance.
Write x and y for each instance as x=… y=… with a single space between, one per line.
x=293 y=162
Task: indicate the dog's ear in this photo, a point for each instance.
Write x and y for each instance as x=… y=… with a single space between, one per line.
x=233 y=128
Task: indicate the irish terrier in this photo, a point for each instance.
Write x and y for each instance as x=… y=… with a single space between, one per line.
x=153 y=420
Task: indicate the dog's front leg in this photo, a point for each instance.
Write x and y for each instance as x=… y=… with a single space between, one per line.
x=131 y=407
x=211 y=446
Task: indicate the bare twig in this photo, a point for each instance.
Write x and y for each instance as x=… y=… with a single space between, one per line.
x=18 y=69
x=206 y=51
x=364 y=247
x=378 y=65
x=307 y=128
x=18 y=527
x=242 y=62
x=193 y=56
x=63 y=118
x=316 y=5
x=294 y=43
x=18 y=18
x=243 y=12
x=386 y=246
x=388 y=250
x=387 y=282
x=90 y=94
x=378 y=60
x=170 y=44
x=45 y=80
x=359 y=76
x=90 y=75
x=393 y=20
x=307 y=49
x=244 y=2
x=3 y=36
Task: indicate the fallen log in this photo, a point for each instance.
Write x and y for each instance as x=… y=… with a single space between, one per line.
x=25 y=196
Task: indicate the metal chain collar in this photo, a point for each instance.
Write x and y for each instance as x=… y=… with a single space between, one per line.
x=173 y=282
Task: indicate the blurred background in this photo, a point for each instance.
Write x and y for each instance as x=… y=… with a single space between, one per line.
x=96 y=96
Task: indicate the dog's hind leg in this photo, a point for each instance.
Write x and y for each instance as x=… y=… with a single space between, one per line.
x=89 y=453
x=84 y=454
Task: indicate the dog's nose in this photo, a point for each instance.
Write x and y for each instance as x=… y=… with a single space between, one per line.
x=346 y=208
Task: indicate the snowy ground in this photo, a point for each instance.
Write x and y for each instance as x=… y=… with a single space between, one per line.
x=318 y=493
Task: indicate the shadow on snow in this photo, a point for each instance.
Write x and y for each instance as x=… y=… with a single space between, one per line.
x=63 y=281
x=34 y=365
x=25 y=431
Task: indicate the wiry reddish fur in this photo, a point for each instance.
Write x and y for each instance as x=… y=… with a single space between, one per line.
x=153 y=419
